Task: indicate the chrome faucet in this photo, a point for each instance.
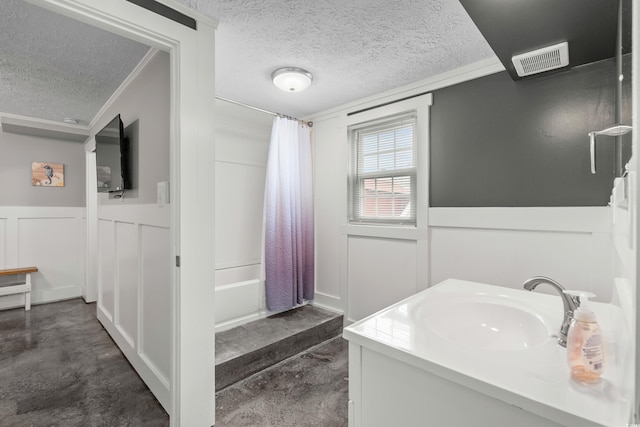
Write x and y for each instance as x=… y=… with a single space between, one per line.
x=570 y=303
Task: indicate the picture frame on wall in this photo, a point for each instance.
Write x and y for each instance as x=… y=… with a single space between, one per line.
x=46 y=174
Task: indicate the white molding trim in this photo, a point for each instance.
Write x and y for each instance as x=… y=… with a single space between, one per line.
x=562 y=219
x=41 y=296
x=60 y=128
x=151 y=53
x=328 y=302
x=21 y=212
x=459 y=75
x=192 y=137
x=385 y=232
x=148 y=214
x=634 y=204
x=90 y=293
x=58 y=294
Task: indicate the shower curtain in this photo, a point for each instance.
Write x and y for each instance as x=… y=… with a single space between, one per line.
x=289 y=216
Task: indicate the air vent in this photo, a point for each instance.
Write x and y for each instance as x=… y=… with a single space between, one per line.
x=541 y=60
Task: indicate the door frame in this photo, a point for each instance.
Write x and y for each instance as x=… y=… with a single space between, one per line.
x=192 y=151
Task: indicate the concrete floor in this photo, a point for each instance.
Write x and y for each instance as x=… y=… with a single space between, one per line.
x=59 y=367
x=248 y=349
x=308 y=390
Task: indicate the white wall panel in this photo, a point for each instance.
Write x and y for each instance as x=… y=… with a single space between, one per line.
x=50 y=238
x=509 y=257
x=330 y=207
x=126 y=309
x=155 y=304
x=53 y=245
x=239 y=207
x=136 y=264
x=381 y=272
x=106 y=267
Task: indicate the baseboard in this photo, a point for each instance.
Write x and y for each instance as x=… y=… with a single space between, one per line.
x=328 y=302
x=58 y=294
x=41 y=297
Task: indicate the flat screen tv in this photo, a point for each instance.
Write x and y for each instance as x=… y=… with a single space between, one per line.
x=112 y=158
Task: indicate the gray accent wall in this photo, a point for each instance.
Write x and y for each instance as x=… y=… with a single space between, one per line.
x=17 y=152
x=144 y=110
x=496 y=142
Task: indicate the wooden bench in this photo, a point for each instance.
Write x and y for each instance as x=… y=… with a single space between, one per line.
x=18 y=287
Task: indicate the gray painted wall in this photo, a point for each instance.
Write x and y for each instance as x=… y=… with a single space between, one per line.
x=144 y=110
x=16 y=154
x=496 y=142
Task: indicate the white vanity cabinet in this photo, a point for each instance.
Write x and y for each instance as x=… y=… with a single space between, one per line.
x=384 y=391
x=402 y=372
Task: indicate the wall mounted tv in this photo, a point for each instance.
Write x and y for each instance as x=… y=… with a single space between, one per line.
x=112 y=158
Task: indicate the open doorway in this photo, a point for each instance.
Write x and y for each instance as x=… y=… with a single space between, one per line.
x=188 y=373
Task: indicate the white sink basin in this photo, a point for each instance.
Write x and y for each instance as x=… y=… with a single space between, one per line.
x=484 y=322
x=498 y=341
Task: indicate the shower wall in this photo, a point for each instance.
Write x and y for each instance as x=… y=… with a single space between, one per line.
x=242 y=143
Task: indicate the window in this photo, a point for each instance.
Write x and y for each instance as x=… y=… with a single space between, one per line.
x=382 y=178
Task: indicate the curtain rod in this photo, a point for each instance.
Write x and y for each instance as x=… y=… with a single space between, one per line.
x=310 y=124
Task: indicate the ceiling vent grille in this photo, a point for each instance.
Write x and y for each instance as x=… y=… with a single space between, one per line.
x=541 y=60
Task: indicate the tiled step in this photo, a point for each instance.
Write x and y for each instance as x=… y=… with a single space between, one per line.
x=250 y=348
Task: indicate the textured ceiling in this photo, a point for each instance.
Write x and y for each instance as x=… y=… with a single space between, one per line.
x=52 y=67
x=354 y=48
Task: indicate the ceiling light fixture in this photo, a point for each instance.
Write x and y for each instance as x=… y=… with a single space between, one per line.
x=71 y=121
x=291 y=79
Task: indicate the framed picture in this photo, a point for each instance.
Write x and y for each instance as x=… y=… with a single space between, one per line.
x=45 y=174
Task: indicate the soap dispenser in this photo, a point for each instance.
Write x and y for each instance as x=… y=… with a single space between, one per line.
x=585 y=351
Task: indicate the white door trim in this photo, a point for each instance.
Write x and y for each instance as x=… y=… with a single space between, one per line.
x=192 y=157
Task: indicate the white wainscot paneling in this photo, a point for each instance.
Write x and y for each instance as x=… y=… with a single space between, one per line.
x=381 y=272
x=239 y=213
x=134 y=293
x=155 y=260
x=509 y=257
x=54 y=245
x=127 y=280
x=106 y=266
x=330 y=172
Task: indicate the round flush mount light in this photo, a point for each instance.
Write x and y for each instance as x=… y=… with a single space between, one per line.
x=291 y=79
x=71 y=121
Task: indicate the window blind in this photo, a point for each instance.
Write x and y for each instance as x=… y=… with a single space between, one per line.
x=382 y=178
